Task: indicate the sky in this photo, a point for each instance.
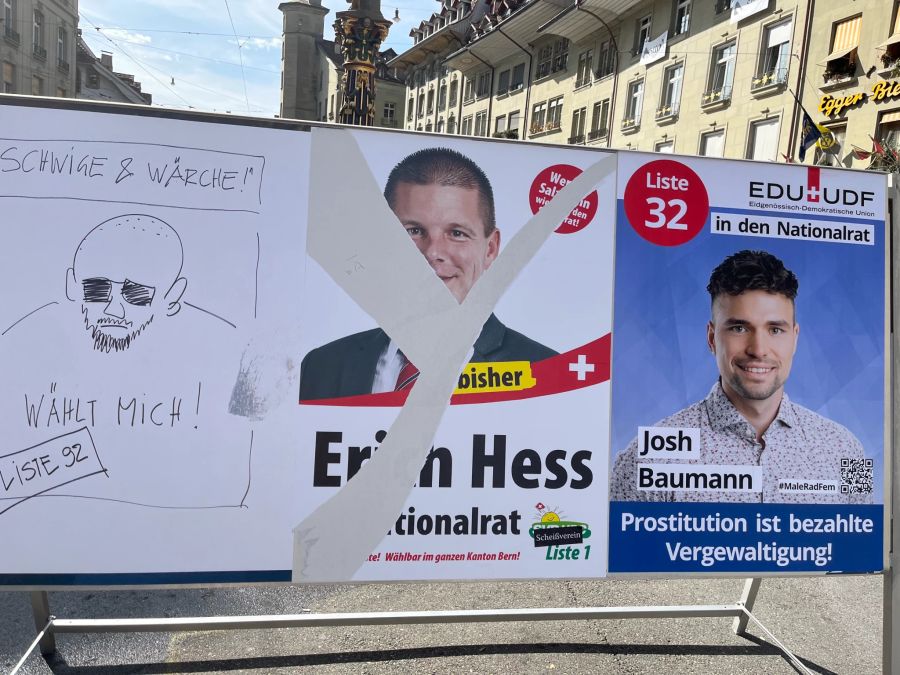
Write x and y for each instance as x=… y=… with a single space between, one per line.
x=200 y=46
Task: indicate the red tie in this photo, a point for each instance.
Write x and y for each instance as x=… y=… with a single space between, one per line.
x=408 y=374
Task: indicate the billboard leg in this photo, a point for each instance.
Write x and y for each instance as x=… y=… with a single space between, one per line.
x=890 y=633
x=748 y=597
x=40 y=606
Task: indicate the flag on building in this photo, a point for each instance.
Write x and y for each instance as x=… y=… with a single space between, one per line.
x=810 y=133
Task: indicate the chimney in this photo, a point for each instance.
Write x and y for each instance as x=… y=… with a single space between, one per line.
x=106 y=59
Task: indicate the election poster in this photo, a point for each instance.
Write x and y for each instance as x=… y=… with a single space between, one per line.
x=440 y=283
x=142 y=258
x=750 y=300
x=240 y=351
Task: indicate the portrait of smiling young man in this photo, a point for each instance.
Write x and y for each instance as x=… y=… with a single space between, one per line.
x=747 y=419
x=446 y=204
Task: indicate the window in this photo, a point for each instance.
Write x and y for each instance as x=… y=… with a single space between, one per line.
x=420 y=105
x=723 y=6
x=409 y=109
x=512 y=124
x=9 y=15
x=721 y=74
x=670 y=98
x=37 y=35
x=841 y=62
x=828 y=154
x=481 y=123
x=599 y=120
x=503 y=82
x=37 y=86
x=682 y=17
x=467 y=125
x=430 y=101
x=9 y=80
x=712 y=143
x=454 y=92
x=554 y=112
x=667 y=147
x=606 y=59
x=500 y=125
x=634 y=102
x=889 y=128
x=544 y=59
x=775 y=55
x=518 y=78
x=763 y=140
x=890 y=57
x=538 y=117
x=451 y=124
x=440 y=126
x=389 y=111
x=442 y=97
x=560 y=55
x=585 y=62
x=641 y=33
x=552 y=58
x=62 y=48
x=468 y=91
x=578 y=121
x=428 y=126
x=483 y=83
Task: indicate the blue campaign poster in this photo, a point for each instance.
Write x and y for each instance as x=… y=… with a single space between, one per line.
x=748 y=367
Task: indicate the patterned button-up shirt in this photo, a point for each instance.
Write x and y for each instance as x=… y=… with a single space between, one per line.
x=799 y=447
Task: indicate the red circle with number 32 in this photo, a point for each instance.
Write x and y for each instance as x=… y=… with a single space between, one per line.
x=666 y=202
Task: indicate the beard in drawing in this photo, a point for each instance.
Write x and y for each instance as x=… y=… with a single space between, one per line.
x=104 y=331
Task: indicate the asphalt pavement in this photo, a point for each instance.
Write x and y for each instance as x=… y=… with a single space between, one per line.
x=833 y=624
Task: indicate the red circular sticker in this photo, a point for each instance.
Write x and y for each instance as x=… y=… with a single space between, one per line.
x=550 y=181
x=666 y=202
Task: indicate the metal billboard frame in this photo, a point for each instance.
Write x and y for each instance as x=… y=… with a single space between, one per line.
x=49 y=625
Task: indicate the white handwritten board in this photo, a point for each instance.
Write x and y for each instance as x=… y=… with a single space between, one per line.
x=141 y=258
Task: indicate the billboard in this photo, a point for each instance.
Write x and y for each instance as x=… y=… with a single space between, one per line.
x=250 y=352
x=750 y=300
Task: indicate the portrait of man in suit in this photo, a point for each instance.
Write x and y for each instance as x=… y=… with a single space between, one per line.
x=446 y=204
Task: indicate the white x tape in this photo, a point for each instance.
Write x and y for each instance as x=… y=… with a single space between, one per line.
x=369 y=254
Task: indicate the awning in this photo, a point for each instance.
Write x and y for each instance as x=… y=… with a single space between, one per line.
x=893 y=116
x=894 y=39
x=838 y=54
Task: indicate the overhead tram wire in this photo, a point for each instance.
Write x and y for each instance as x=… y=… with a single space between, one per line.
x=138 y=63
x=147 y=67
x=197 y=56
x=240 y=54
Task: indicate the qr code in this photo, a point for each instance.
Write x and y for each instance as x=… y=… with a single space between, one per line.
x=856 y=476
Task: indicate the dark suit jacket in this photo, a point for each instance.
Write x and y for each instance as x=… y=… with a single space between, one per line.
x=346 y=367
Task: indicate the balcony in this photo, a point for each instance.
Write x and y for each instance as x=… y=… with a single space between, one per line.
x=11 y=36
x=839 y=73
x=576 y=140
x=539 y=129
x=39 y=52
x=890 y=63
x=597 y=134
x=63 y=67
x=715 y=98
x=769 y=81
x=631 y=125
x=668 y=112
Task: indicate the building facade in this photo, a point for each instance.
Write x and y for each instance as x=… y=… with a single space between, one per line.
x=712 y=77
x=312 y=67
x=95 y=79
x=852 y=84
x=37 y=48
